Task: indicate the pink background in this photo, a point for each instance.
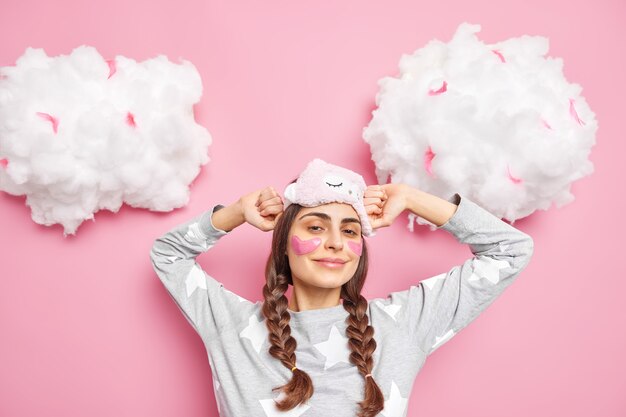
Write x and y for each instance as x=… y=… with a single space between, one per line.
x=87 y=328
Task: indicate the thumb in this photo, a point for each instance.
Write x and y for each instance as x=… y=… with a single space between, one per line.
x=271 y=223
x=375 y=222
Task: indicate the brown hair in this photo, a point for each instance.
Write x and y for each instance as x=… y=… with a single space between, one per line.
x=360 y=334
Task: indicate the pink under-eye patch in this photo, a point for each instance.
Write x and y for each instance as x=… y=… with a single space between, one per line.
x=300 y=247
x=356 y=247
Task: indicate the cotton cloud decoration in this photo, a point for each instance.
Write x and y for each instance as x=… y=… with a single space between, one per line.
x=79 y=134
x=498 y=123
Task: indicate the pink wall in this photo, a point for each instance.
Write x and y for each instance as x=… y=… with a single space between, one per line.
x=87 y=328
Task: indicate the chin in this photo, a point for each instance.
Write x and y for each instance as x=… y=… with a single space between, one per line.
x=328 y=285
x=330 y=281
x=316 y=276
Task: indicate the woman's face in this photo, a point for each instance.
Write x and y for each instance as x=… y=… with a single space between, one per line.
x=330 y=231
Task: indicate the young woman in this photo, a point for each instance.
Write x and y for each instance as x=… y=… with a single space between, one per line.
x=328 y=350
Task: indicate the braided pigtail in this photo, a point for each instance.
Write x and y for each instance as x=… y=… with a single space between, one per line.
x=300 y=387
x=362 y=344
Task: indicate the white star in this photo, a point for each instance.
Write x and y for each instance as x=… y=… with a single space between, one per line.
x=335 y=349
x=432 y=281
x=255 y=331
x=195 y=279
x=395 y=405
x=488 y=268
x=440 y=340
x=504 y=247
x=390 y=309
x=236 y=295
x=270 y=408
x=172 y=258
x=196 y=236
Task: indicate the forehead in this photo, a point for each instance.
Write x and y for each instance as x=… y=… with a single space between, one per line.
x=339 y=210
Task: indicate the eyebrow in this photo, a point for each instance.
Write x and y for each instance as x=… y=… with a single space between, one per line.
x=325 y=216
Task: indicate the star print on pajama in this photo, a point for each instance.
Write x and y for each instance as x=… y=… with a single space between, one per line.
x=395 y=405
x=255 y=331
x=390 y=309
x=195 y=279
x=409 y=325
x=335 y=349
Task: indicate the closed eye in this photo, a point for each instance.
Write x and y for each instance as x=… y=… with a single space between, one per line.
x=335 y=185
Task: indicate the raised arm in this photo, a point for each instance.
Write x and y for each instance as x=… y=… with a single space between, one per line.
x=446 y=303
x=173 y=258
x=440 y=306
x=206 y=304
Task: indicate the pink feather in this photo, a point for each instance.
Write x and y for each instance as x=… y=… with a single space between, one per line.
x=572 y=112
x=512 y=178
x=51 y=119
x=546 y=124
x=442 y=89
x=130 y=119
x=495 y=51
x=428 y=158
x=112 y=67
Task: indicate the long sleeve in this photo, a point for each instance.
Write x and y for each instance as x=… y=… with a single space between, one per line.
x=440 y=306
x=203 y=300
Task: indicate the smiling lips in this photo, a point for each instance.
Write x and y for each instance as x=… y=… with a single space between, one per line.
x=335 y=260
x=331 y=262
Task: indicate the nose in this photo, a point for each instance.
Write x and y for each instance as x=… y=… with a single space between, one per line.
x=335 y=240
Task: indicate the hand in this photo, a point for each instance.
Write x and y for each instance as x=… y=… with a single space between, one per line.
x=383 y=203
x=262 y=208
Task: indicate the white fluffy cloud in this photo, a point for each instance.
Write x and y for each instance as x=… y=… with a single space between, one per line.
x=79 y=133
x=498 y=123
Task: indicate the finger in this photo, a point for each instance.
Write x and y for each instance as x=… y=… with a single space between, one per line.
x=274 y=209
x=264 y=198
x=375 y=201
x=271 y=201
x=377 y=223
x=265 y=225
x=259 y=199
x=267 y=193
x=374 y=193
x=270 y=192
x=373 y=209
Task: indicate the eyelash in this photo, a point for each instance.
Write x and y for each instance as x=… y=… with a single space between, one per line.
x=351 y=231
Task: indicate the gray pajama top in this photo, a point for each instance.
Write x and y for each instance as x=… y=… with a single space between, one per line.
x=408 y=325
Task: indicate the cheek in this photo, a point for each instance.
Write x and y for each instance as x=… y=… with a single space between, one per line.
x=356 y=247
x=301 y=247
